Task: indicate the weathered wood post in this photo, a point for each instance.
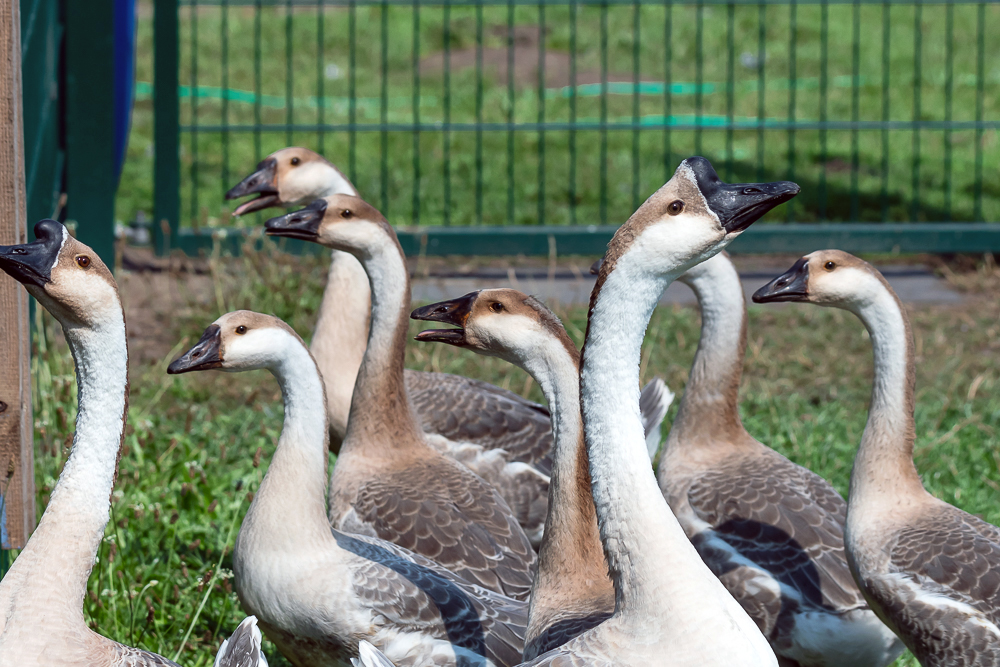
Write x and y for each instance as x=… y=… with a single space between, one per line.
x=17 y=478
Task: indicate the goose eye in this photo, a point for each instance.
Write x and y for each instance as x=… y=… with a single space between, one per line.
x=241 y=329
x=676 y=207
x=82 y=261
x=496 y=307
x=295 y=161
x=830 y=266
x=346 y=213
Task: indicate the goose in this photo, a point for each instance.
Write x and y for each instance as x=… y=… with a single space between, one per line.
x=771 y=530
x=928 y=569
x=318 y=591
x=491 y=430
x=572 y=591
x=41 y=595
x=670 y=609
x=389 y=482
x=242 y=649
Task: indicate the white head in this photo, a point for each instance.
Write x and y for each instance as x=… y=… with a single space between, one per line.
x=500 y=323
x=827 y=278
x=290 y=177
x=66 y=276
x=239 y=341
x=341 y=222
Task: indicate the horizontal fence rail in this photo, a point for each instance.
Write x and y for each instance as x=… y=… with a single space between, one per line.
x=487 y=113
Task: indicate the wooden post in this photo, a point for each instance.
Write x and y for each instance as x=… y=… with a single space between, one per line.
x=17 y=476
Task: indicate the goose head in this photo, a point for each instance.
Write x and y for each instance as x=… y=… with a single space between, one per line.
x=826 y=278
x=290 y=177
x=691 y=217
x=66 y=276
x=238 y=341
x=341 y=222
x=500 y=323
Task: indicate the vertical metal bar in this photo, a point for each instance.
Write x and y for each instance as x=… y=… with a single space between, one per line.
x=824 y=62
x=977 y=188
x=855 y=108
x=761 y=85
x=949 y=89
x=321 y=73
x=446 y=134
x=573 y=8
x=224 y=39
x=541 y=112
x=886 y=72
x=479 y=113
x=730 y=85
x=510 y=112
x=384 y=113
x=352 y=91
x=416 y=112
x=636 y=83
x=289 y=77
x=166 y=122
x=194 y=116
x=793 y=47
x=257 y=79
x=699 y=78
x=668 y=85
x=604 y=113
x=917 y=89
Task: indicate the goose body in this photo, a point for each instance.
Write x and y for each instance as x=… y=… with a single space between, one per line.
x=771 y=530
x=572 y=591
x=389 y=481
x=317 y=592
x=928 y=569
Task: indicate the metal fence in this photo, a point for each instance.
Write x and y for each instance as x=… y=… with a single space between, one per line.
x=566 y=114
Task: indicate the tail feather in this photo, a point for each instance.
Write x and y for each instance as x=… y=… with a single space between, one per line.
x=654 y=401
x=242 y=649
x=369 y=656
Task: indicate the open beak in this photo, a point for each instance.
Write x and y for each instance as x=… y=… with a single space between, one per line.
x=32 y=263
x=455 y=311
x=303 y=224
x=792 y=285
x=738 y=205
x=205 y=355
x=264 y=182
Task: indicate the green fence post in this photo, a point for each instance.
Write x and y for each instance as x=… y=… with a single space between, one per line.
x=166 y=124
x=90 y=159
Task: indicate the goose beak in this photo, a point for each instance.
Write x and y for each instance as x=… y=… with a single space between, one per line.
x=738 y=205
x=303 y=224
x=205 y=355
x=792 y=285
x=595 y=268
x=455 y=312
x=32 y=263
x=264 y=182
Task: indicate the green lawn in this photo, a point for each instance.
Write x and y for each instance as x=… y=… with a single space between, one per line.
x=194 y=442
x=928 y=72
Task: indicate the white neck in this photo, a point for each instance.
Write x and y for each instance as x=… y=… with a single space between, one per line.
x=709 y=407
x=883 y=469
x=291 y=501
x=639 y=532
x=61 y=552
x=338 y=343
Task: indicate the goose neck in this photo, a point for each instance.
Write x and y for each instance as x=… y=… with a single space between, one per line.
x=64 y=545
x=884 y=463
x=709 y=409
x=380 y=403
x=637 y=528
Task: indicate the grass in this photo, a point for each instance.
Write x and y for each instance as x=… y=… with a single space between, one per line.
x=910 y=63
x=196 y=446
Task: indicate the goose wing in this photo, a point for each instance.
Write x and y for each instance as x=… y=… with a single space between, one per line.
x=773 y=532
x=441 y=510
x=126 y=656
x=561 y=632
x=414 y=593
x=463 y=409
